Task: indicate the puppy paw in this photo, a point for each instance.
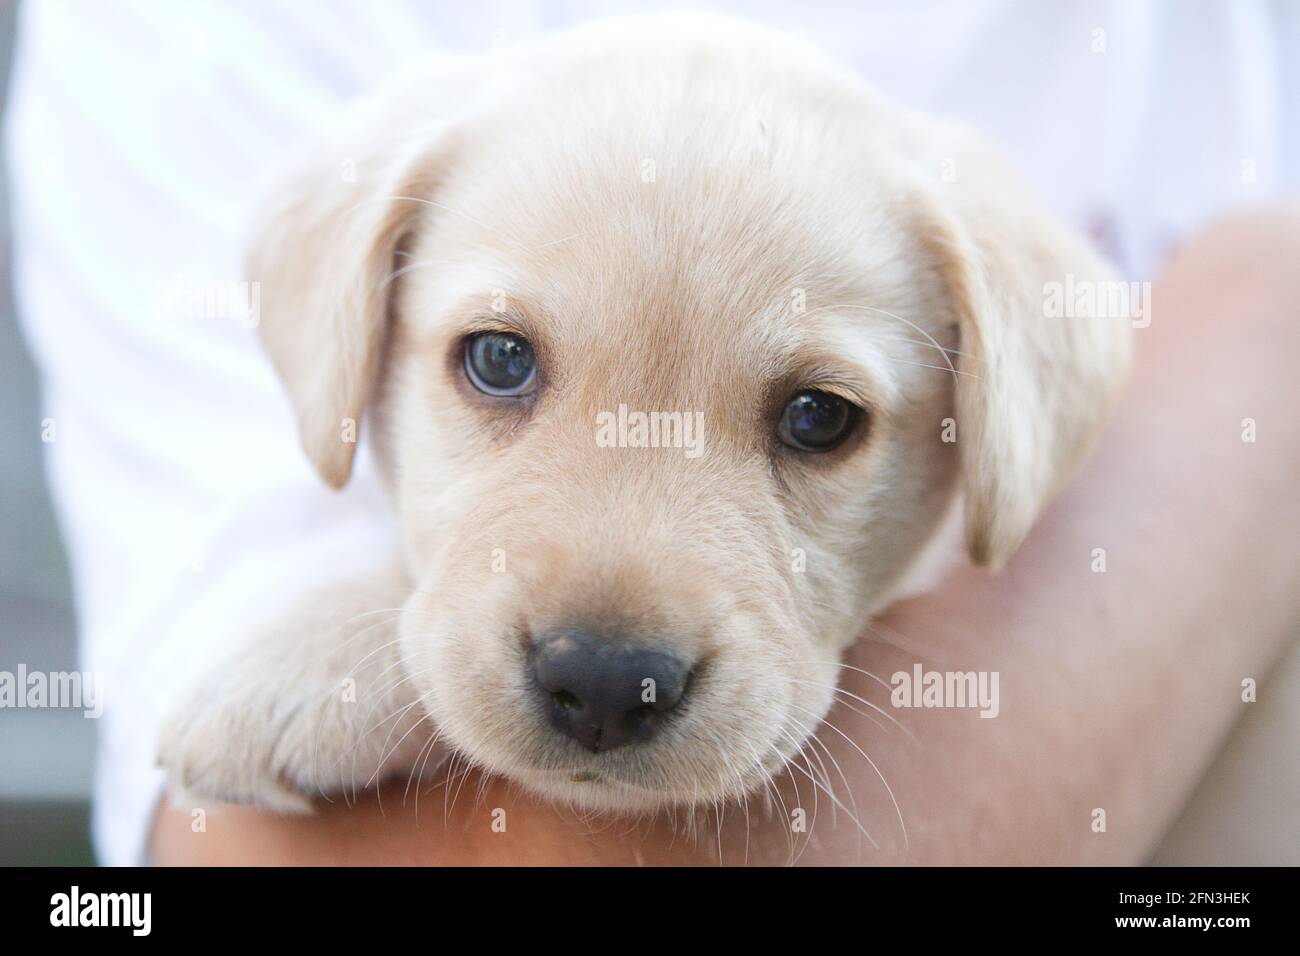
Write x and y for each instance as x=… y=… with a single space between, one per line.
x=230 y=746
x=244 y=739
x=315 y=706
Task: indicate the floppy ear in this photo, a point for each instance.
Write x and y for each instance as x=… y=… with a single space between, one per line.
x=322 y=252
x=1034 y=387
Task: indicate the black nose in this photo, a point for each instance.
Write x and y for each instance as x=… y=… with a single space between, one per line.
x=605 y=694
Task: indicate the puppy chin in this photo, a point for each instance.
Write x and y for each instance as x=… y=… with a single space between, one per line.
x=593 y=792
x=597 y=792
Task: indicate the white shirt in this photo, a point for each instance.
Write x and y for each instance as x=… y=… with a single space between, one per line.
x=139 y=129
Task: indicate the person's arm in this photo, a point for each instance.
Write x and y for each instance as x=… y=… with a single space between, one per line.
x=1115 y=687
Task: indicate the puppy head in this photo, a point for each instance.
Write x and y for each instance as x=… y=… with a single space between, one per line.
x=663 y=350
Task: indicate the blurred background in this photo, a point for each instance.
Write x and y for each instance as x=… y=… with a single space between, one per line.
x=47 y=755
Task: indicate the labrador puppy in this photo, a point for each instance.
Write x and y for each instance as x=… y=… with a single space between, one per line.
x=682 y=354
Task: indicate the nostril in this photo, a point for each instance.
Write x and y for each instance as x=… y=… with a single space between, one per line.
x=670 y=691
x=566 y=700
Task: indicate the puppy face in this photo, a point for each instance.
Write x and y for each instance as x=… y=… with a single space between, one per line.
x=746 y=245
x=747 y=559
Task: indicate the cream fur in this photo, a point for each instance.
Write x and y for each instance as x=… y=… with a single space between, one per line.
x=525 y=203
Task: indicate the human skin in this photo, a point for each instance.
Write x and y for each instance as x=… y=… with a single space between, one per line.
x=1116 y=687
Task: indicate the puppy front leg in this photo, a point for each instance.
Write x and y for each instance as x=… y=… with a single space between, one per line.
x=316 y=705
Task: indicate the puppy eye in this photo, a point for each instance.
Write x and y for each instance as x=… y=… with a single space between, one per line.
x=498 y=363
x=816 y=421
